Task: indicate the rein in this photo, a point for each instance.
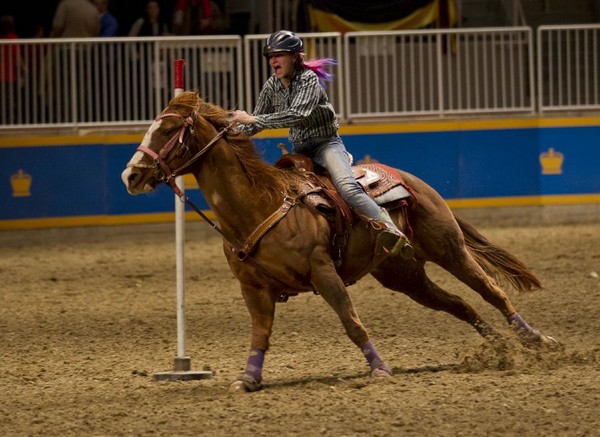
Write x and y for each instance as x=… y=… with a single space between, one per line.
x=179 y=137
x=169 y=175
x=243 y=250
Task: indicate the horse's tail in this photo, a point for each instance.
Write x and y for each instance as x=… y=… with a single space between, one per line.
x=497 y=262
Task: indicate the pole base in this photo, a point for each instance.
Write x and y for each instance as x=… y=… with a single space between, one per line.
x=181 y=372
x=188 y=375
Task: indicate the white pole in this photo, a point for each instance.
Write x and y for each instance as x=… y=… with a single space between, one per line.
x=180 y=237
x=180 y=259
x=182 y=362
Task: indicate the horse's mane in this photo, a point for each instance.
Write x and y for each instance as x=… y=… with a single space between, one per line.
x=264 y=177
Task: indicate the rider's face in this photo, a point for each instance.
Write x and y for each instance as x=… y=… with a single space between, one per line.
x=282 y=64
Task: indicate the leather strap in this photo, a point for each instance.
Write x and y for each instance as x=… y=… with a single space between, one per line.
x=343 y=215
x=264 y=227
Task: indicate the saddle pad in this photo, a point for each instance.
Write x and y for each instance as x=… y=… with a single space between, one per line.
x=381 y=184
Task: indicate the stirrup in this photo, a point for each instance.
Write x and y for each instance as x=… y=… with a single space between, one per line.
x=395 y=242
x=403 y=248
x=391 y=239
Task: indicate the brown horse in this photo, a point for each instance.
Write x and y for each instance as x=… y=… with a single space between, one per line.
x=286 y=245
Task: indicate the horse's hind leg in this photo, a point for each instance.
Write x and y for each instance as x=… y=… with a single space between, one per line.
x=413 y=282
x=464 y=267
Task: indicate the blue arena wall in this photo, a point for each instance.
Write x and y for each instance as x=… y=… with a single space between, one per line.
x=59 y=181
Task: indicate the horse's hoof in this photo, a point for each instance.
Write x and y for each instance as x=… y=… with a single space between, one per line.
x=537 y=340
x=381 y=373
x=245 y=384
x=550 y=343
x=238 y=387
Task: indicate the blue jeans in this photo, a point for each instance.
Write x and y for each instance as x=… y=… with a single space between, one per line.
x=331 y=154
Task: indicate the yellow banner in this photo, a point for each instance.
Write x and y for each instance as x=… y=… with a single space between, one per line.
x=321 y=21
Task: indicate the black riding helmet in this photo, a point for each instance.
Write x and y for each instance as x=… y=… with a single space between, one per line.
x=283 y=41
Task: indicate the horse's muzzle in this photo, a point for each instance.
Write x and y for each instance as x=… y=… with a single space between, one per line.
x=135 y=183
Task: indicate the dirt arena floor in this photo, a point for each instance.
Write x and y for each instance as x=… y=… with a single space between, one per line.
x=87 y=316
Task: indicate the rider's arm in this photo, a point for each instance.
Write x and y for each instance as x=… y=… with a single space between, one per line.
x=306 y=93
x=263 y=105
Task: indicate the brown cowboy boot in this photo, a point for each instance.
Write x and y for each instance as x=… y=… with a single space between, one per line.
x=391 y=238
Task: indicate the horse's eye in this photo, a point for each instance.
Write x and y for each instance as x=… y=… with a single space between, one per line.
x=167 y=132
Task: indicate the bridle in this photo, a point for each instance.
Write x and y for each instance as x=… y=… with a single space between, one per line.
x=243 y=249
x=168 y=177
x=180 y=137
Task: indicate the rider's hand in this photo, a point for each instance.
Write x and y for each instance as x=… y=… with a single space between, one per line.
x=243 y=117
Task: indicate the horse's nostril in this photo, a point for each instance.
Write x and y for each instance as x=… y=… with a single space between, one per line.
x=131 y=178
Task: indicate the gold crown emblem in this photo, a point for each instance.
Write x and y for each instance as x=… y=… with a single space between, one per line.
x=21 y=183
x=367 y=160
x=551 y=161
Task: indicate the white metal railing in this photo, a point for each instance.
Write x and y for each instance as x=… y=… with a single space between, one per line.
x=63 y=83
x=94 y=81
x=316 y=45
x=437 y=72
x=568 y=59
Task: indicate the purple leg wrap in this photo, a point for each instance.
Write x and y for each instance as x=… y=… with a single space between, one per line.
x=373 y=358
x=516 y=319
x=255 y=364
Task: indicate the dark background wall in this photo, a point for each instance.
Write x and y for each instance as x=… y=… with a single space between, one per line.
x=30 y=14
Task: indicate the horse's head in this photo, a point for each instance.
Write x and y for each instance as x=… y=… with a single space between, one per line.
x=181 y=131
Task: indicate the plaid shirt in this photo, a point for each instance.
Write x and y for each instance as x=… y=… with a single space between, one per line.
x=303 y=107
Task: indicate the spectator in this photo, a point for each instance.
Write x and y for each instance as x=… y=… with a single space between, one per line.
x=36 y=74
x=197 y=17
x=151 y=24
x=38 y=31
x=108 y=23
x=75 y=19
x=9 y=54
x=8 y=28
x=11 y=69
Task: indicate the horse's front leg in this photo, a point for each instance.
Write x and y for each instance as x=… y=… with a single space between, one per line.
x=328 y=283
x=261 y=306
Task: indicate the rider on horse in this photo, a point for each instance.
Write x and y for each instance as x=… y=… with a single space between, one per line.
x=294 y=97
